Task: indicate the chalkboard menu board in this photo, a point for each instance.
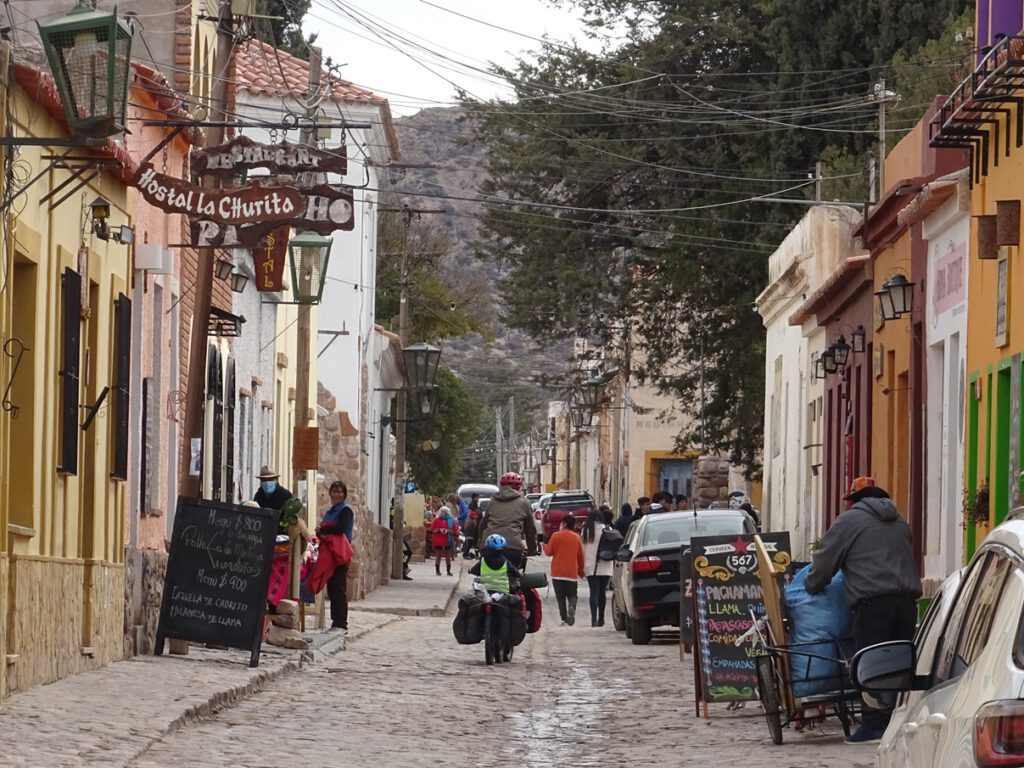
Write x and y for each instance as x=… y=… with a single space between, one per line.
x=215 y=590
x=726 y=590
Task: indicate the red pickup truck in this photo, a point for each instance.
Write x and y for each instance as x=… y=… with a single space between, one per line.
x=578 y=503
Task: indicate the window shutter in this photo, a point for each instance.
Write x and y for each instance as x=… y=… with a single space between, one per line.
x=122 y=383
x=71 y=329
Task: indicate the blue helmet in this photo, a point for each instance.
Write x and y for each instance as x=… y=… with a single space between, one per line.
x=495 y=541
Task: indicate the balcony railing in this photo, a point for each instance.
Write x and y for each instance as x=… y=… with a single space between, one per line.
x=978 y=114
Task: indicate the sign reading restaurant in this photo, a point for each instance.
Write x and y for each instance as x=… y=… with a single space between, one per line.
x=242 y=205
x=243 y=154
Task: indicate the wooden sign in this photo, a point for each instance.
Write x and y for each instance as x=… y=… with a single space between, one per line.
x=305 y=448
x=268 y=259
x=324 y=209
x=215 y=590
x=726 y=591
x=241 y=205
x=242 y=154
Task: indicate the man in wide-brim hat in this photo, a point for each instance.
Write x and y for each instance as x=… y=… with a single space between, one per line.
x=271 y=494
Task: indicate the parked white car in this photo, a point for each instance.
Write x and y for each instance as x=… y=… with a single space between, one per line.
x=539 y=507
x=960 y=683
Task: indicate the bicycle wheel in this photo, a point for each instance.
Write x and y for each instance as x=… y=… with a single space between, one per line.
x=490 y=641
x=768 y=692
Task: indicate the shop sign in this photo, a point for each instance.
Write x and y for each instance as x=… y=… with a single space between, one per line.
x=243 y=154
x=233 y=206
x=324 y=209
x=268 y=260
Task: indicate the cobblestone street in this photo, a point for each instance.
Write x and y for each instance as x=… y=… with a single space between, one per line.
x=407 y=695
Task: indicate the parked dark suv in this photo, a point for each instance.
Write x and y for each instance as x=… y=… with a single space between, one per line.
x=646 y=571
x=561 y=503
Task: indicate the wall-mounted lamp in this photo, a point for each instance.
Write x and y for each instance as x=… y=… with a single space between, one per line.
x=828 y=361
x=819 y=367
x=99 y=209
x=238 y=281
x=840 y=351
x=857 y=340
x=223 y=269
x=896 y=297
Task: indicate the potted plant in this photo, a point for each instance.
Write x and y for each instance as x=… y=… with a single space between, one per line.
x=976 y=505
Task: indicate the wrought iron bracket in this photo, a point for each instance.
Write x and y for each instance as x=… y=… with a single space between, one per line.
x=94 y=409
x=14 y=348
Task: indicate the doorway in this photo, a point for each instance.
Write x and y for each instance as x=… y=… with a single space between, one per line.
x=676 y=476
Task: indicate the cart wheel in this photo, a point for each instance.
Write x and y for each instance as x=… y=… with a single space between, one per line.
x=768 y=692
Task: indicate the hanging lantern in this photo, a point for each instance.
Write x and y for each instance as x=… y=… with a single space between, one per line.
x=309 y=253
x=828 y=360
x=902 y=291
x=90 y=56
x=819 y=368
x=421 y=361
x=592 y=394
x=841 y=351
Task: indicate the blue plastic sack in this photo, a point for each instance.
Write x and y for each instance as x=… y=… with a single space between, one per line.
x=819 y=624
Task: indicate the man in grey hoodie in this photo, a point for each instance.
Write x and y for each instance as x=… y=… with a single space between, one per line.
x=510 y=514
x=871 y=543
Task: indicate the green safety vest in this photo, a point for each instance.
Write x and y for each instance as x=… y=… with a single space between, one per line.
x=494 y=579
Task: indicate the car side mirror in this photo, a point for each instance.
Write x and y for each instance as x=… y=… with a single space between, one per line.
x=885 y=668
x=623 y=555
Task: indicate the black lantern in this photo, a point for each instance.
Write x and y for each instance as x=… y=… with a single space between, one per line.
x=542 y=456
x=581 y=417
x=421 y=362
x=223 y=269
x=828 y=361
x=857 y=340
x=841 y=351
x=902 y=291
x=819 y=368
x=592 y=394
x=90 y=56
x=896 y=297
x=309 y=253
x=238 y=281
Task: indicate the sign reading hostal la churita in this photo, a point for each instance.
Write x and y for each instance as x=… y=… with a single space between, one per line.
x=243 y=154
x=232 y=206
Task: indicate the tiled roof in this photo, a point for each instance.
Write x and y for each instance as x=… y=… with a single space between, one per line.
x=265 y=71
x=165 y=99
x=838 y=278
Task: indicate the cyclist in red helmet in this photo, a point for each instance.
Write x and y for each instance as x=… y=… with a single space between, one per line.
x=510 y=514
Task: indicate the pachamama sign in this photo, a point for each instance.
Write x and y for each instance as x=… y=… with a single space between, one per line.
x=242 y=205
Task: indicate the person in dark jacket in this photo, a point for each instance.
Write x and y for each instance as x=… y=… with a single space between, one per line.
x=339 y=520
x=510 y=515
x=871 y=543
x=271 y=494
x=624 y=519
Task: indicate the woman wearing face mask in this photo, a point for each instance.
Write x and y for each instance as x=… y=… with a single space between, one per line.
x=271 y=495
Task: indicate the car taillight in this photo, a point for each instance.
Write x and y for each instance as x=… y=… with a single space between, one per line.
x=536 y=515
x=999 y=733
x=646 y=564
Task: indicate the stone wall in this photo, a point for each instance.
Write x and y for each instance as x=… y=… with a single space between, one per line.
x=68 y=617
x=710 y=481
x=341 y=457
x=143 y=589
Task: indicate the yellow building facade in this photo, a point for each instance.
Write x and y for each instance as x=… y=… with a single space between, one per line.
x=62 y=491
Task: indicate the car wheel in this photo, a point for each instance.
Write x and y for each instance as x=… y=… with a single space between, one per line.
x=618 y=617
x=627 y=626
x=639 y=631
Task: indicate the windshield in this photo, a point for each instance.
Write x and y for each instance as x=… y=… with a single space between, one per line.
x=679 y=530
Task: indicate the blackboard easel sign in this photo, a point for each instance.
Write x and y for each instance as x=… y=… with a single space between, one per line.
x=215 y=590
x=726 y=591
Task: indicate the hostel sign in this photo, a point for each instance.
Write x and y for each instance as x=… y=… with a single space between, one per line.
x=268 y=260
x=323 y=209
x=231 y=206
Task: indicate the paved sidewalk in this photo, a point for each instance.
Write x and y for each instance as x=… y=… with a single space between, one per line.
x=109 y=716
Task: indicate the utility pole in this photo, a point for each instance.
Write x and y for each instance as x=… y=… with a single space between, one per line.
x=513 y=448
x=497 y=444
x=884 y=97
x=189 y=484
x=303 y=330
x=400 y=406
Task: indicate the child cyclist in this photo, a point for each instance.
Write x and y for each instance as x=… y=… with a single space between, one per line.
x=495 y=572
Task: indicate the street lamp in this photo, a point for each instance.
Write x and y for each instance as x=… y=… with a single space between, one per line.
x=421 y=362
x=841 y=351
x=857 y=339
x=828 y=361
x=592 y=394
x=581 y=417
x=90 y=55
x=896 y=297
x=308 y=253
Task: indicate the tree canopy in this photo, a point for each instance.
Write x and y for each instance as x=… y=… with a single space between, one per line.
x=625 y=188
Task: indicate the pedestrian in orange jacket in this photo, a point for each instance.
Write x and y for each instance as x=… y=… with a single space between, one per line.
x=566 y=551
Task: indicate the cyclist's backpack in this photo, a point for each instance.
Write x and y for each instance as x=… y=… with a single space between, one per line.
x=534 y=610
x=609 y=543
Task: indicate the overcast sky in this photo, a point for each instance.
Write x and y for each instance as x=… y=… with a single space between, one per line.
x=413 y=72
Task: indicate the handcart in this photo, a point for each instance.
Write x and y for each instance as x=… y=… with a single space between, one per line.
x=782 y=662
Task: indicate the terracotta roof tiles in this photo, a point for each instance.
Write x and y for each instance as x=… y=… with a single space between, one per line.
x=265 y=71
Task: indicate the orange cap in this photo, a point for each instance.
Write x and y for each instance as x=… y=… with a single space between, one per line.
x=859 y=484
